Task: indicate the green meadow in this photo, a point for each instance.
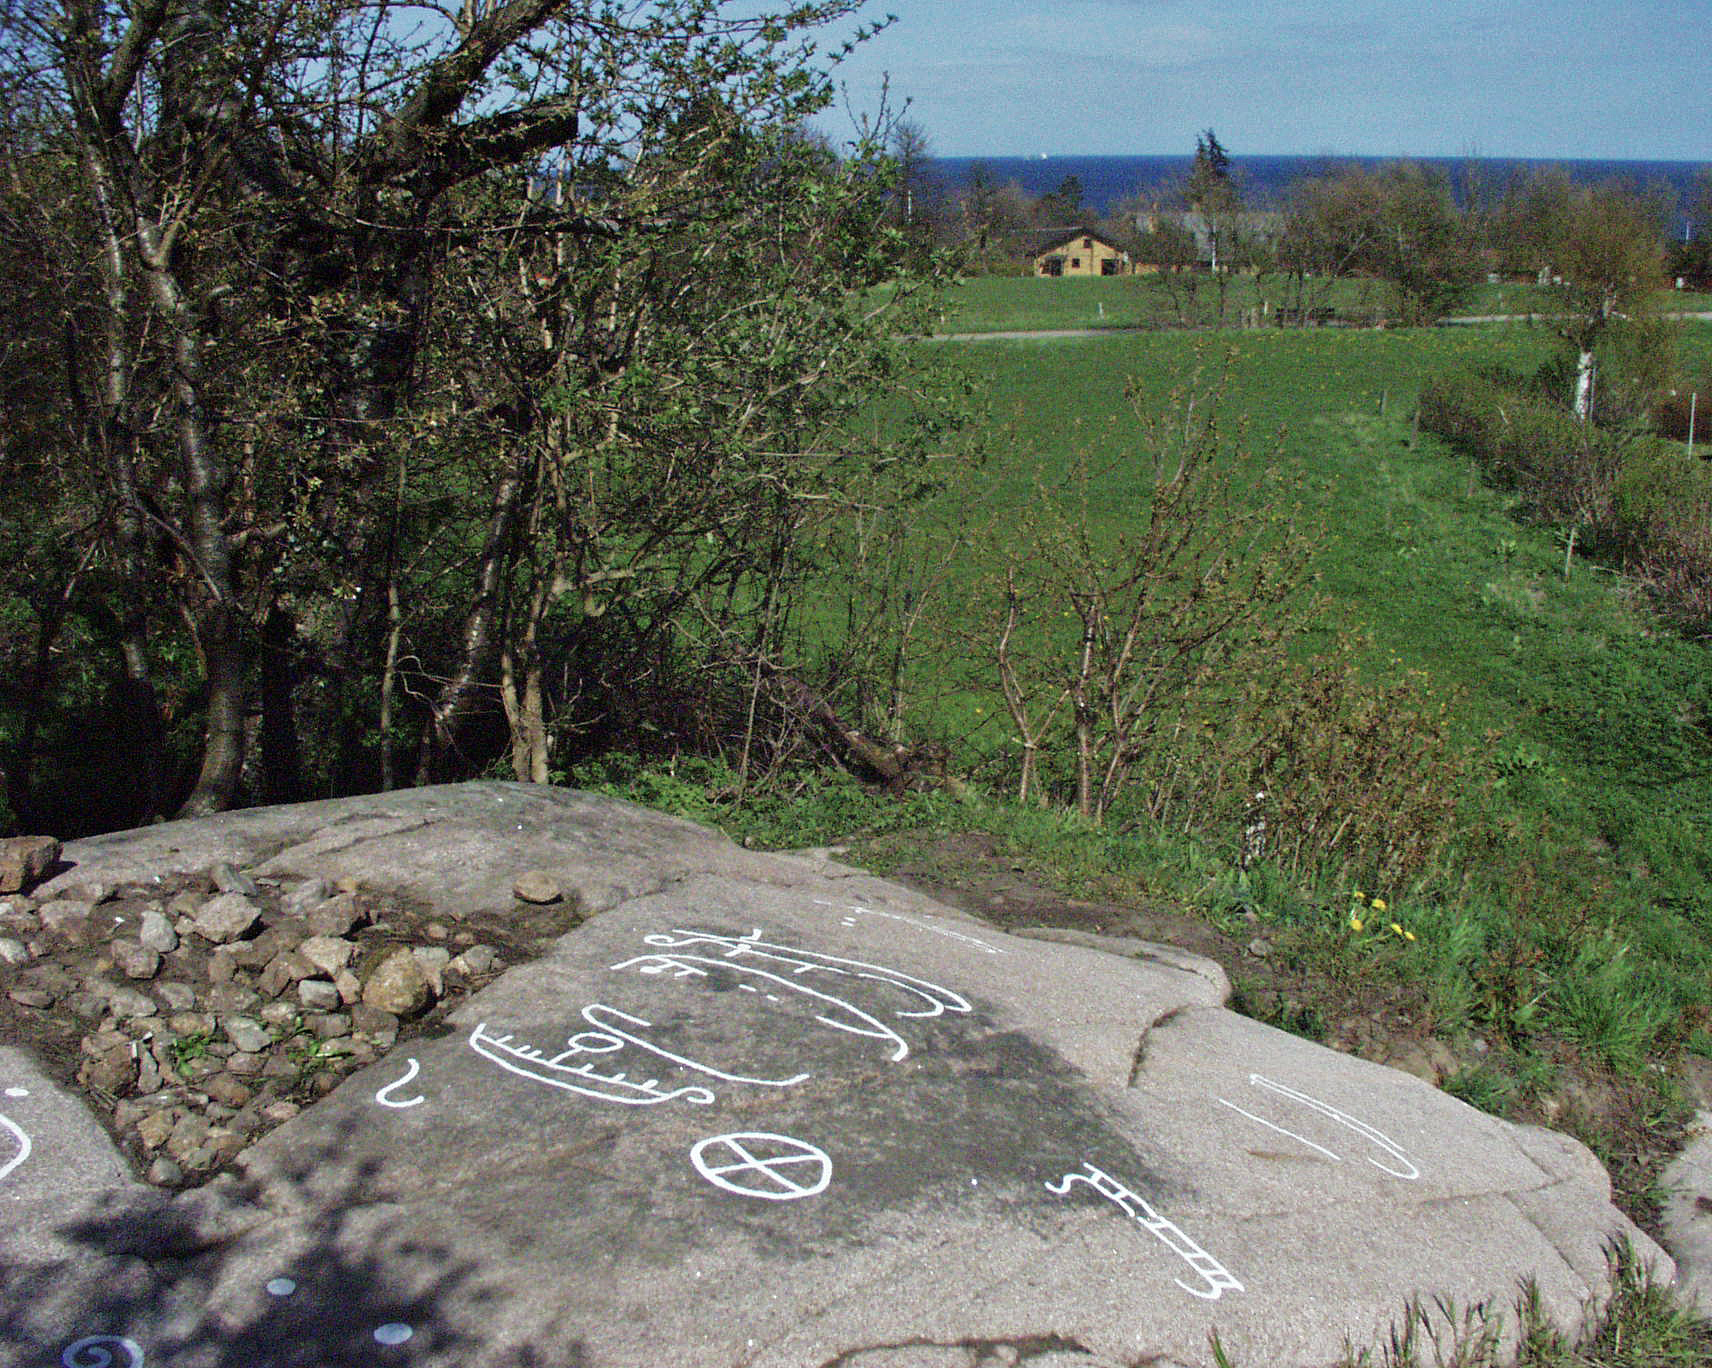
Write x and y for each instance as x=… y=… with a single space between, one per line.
x=1003 y=304
x=1563 y=941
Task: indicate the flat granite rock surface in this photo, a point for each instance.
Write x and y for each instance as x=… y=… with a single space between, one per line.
x=768 y=1111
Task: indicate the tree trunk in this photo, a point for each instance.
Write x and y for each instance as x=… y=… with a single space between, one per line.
x=1584 y=385
x=282 y=756
x=457 y=694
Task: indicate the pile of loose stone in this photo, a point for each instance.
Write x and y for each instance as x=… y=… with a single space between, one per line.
x=198 y=1016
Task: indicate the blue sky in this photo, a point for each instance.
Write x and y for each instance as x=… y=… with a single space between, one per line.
x=1497 y=78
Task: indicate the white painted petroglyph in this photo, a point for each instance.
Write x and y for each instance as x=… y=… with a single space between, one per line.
x=1335 y=1158
x=1377 y=1138
x=393 y=1332
x=609 y=1036
x=862 y=1023
x=17 y=1133
x=280 y=1287
x=384 y=1095
x=1216 y=1276
x=939 y=1000
x=945 y=931
x=629 y=1038
x=766 y=1161
x=99 y=1351
x=17 y=1092
x=527 y=1062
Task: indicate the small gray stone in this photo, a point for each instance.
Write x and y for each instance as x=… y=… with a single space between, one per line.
x=221 y=966
x=156 y=931
x=329 y=954
x=189 y=1134
x=328 y=1025
x=350 y=987
x=280 y=1111
x=177 y=997
x=318 y=994
x=191 y=1024
x=129 y=1002
x=278 y=1013
x=24 y=859
x=230 y=880
x=336 y=917
x=247 y=1034
x=86 y=1006
x=155 y=1129
x=310 y=893
x=397 y=985
x=235 y=996
x=244 y=1064
x=226 y=1090
x=65 y=915
x=477 y=960
x=282 y=971
x=378 y=1025
x=13 y=951
x=433 y=959
x=227 y=917
x=275 y=940
x=112 y=1071
x=136 y=961
x=537 y=886
x=164 y=1173
x=32 y=997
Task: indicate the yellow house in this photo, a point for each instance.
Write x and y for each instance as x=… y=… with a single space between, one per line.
x=1077 y=251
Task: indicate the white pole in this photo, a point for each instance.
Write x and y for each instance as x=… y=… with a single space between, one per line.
x=1693 y=396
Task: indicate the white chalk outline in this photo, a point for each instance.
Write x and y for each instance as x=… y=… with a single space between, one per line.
x=1371 y=1134
x=23 y=1145
x=945 y=931
x=939 y=1000
x=410 y=1073
x=684 y=967
x=103 y=1359
x=1218 y=1278
x=749 y=1163
x=607 y=1038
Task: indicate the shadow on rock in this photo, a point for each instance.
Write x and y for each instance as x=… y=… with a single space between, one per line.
x=212 y=1279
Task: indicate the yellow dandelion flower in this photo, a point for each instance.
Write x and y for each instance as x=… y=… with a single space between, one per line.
x=1409 y=935
x=1396 y=928
x=1355 y=923
x=1359 y=896
x=1379 y=904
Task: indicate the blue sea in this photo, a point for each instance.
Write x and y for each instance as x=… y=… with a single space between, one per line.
x=1105 y=180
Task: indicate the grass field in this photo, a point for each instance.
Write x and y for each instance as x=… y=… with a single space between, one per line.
x=1565 y=950
x=1002 y=304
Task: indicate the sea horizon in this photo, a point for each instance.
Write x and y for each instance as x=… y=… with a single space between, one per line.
x=1106 y=179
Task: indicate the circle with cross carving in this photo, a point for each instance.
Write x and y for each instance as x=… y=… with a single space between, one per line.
x=775 y=1168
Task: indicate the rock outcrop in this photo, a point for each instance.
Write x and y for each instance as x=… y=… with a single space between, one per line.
x=769 y=1111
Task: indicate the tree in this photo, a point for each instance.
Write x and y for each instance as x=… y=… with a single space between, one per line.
x=1213 y=195
x=1608 y=252
x=1063 y=205
x=382 y=298
x=1399 y=225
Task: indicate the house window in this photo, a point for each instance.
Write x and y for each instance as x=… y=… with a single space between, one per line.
x=1053 y=266
x=1109 y=266
x=1088 y=242
x=1075 y=263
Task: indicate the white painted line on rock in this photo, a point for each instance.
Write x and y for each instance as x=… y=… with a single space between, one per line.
x=383 y=1095
x=1369 y=1133
x=23 y=1140
x=1217 y=1277
x=770 y=1180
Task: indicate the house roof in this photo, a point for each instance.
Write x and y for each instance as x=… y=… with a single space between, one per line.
x=1044 y=240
